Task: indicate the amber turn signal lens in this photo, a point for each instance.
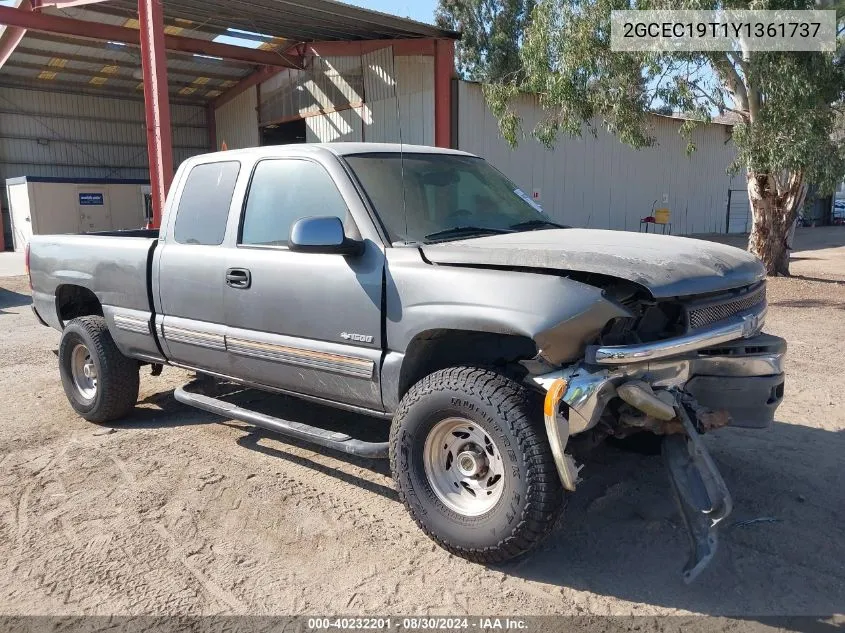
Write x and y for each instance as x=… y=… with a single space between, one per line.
x=553 y=396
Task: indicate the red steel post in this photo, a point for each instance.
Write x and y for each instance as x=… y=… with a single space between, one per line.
x=444 y=68
x=156 y=104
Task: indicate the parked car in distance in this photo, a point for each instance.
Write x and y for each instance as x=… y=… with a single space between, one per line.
x=420 y=286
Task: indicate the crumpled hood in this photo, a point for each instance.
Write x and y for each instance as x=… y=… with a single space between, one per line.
x=667 y=266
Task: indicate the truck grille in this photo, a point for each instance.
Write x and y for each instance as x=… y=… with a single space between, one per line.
x=704 y=314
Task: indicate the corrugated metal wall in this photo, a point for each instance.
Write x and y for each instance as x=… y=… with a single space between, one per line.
x=415 y=88
x=400 y=98
x=237 y=121
x=353 y=98
x=56 y=134
x=342 y=126
x=601 y=182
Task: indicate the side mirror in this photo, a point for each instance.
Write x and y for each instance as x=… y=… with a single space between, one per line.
x=322 y=235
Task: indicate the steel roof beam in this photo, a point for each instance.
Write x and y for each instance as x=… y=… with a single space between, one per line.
x=185 y=23
x=63 y=4
x=76 y=88
x=131 y=51
x=128 y=64
x=12 y=36
x=98 y=31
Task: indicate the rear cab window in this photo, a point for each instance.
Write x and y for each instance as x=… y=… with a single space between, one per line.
x=203 y=209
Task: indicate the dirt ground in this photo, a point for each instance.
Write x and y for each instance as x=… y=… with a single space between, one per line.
x=171 y=511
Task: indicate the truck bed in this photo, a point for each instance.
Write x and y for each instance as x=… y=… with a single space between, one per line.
x=127 y=233
x=114 y=266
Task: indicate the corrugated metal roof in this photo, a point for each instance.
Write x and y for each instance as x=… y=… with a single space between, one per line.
x=296 y=20
x=69 y=63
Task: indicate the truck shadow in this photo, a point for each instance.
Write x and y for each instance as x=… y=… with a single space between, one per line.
x=780 y=551
x=252 y=441
x=165 y=411
x=12 y=299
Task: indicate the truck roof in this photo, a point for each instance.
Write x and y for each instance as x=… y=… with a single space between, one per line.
x=338 y=149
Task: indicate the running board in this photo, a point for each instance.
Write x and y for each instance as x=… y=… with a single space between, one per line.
x=187 y=394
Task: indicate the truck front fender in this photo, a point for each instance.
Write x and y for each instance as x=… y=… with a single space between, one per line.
x=559 y=314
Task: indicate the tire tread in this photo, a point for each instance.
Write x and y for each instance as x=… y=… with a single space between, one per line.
x=514 y=407
x=118 y=380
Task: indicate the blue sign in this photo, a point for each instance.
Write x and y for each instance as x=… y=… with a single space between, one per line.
x=91 y=199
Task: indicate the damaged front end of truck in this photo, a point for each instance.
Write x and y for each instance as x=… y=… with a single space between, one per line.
x=678 y=369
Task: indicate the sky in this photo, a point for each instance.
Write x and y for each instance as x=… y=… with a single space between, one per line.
x=420 y=10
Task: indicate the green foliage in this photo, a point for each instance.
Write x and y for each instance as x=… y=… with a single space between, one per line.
x=492 y=33
x=787 y=104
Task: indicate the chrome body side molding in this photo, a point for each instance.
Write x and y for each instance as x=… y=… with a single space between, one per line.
x=302 y=357
x=134 y=324
x=193 y=337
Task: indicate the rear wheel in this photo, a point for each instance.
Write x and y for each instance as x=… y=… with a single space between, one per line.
x=100 y=383
x=472 y=466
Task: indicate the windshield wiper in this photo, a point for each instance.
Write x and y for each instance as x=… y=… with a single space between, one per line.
x=465 y=231
x=537 y=224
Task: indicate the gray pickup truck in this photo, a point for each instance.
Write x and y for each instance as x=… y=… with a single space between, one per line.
x=421 y=286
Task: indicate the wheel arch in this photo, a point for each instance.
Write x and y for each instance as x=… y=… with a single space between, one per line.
x=439 y=348
x=74 y=301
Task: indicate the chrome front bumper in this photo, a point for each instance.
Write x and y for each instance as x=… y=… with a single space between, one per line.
x=740 y=326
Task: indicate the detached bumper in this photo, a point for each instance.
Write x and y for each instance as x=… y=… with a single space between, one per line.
x=744 y=377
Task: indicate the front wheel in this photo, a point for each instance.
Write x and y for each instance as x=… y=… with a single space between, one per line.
x=472 y=466
x=100 y=383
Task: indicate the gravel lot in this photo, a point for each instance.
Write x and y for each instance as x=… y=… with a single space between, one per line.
x=171 y=511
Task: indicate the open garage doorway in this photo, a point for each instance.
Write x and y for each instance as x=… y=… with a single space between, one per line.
x=283 y=133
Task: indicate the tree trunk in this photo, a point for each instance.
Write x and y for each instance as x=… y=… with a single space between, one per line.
x=774 y=208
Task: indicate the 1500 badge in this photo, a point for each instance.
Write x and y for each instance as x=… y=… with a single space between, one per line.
x=361 y=338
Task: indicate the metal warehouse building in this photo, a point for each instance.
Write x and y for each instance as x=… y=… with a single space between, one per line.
x=591 y=181
x=107 y=89
x=72 y=104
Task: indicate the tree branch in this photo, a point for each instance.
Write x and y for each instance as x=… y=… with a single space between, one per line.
x=733 y=82
x=719 y=105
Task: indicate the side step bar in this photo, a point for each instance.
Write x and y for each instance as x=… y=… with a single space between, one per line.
x=188 y=394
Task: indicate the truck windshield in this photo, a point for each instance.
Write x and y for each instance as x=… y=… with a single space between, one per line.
x=440 y=197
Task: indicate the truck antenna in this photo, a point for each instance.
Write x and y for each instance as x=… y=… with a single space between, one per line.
x=401 y=144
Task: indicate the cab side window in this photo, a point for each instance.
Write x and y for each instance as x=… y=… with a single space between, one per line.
x=283 y=191
x=204 y=204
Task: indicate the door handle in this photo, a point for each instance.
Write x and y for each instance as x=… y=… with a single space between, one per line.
x=238 y=278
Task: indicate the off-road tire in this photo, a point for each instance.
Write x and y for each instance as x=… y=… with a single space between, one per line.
x=117 y=375
x=533 y=496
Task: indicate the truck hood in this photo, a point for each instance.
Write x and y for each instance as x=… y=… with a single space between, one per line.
x=666 y=266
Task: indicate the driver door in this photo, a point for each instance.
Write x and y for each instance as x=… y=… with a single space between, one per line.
x=308 y=323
